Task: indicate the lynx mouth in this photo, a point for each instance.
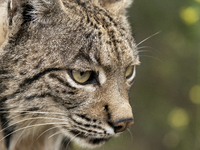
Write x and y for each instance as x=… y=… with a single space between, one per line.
x=91 y=141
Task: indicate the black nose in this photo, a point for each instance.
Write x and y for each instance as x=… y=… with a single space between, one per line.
x=121 y=125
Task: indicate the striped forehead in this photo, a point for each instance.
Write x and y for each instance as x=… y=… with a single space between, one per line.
x=120 y=54
x=107 y=40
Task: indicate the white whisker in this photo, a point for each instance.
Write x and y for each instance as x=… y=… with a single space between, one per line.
x=72 y=139
x=33 y=119
x=35 y=125
x=152 y=57
x=45 y=132
x=31 y=112
x=144 y=47
x=147 y=38
x=130 y=133
x=22 y=133
x=59 y=132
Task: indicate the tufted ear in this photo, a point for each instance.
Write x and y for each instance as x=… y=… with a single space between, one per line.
x=33 y=10
x=13 y=9
x=116 y=6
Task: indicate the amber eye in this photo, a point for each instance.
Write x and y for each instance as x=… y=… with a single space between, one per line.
x=81 y=76
x=129 y=71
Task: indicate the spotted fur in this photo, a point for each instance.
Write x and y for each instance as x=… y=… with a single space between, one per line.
x=41 y=106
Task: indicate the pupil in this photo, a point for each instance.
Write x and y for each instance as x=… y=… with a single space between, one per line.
x=82 y=72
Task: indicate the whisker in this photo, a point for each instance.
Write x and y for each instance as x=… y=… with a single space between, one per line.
x=72 y=139
x=143 y=47
x=130 y=133
x=31 y=126
x=147 y=38
x=55 y=113
x=59 y=132
x=141 y=51
x=8 y=108
x=45 y=132
x=152 y=57
x=22 y=133
x=33 y=119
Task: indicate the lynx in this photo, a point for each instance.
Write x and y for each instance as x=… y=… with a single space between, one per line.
x=66 y=67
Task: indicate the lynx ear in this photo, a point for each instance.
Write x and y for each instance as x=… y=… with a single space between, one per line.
x=116 y=6
x=33 y=10
x=14 y=9
x=45 y=11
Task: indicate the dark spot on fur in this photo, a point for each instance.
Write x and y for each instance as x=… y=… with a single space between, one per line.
x=95 y=26
x=108 y=42
x=86 y=125
x=88 y=35
x=64 y=91
x=22 y=72
x=99 y=33
x=30 y=97
x=3 y=72
x=72 y=107
x=38 y=64
x=106 y=108
x=72 y=93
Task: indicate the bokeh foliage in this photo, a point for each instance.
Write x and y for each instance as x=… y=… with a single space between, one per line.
x=166 y=95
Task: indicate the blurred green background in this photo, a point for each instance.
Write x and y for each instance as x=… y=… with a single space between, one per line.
x=166 y=95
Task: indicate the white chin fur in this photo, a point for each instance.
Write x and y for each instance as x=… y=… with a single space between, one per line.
x=83 y=144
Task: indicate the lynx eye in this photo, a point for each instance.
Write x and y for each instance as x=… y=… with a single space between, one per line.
x=129 y=71
x=81 y=76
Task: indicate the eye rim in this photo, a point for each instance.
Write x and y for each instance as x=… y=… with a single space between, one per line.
x=132 y=72
x=92 y=79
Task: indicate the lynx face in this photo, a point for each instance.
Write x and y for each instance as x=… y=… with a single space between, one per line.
x=66 y=69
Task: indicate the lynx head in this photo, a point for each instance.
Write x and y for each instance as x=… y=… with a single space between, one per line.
x=69 y=65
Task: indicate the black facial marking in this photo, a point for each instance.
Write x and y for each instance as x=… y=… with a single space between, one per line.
x=86 y=125
x=98 y=141
x=28 y=81
x=72 y=93
x=38 y=96
x=29 y=110
x=84 y=117
x=60 y=80
x=106 y=108
x=71 y=107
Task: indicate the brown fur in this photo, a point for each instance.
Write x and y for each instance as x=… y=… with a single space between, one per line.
x=45 y=41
